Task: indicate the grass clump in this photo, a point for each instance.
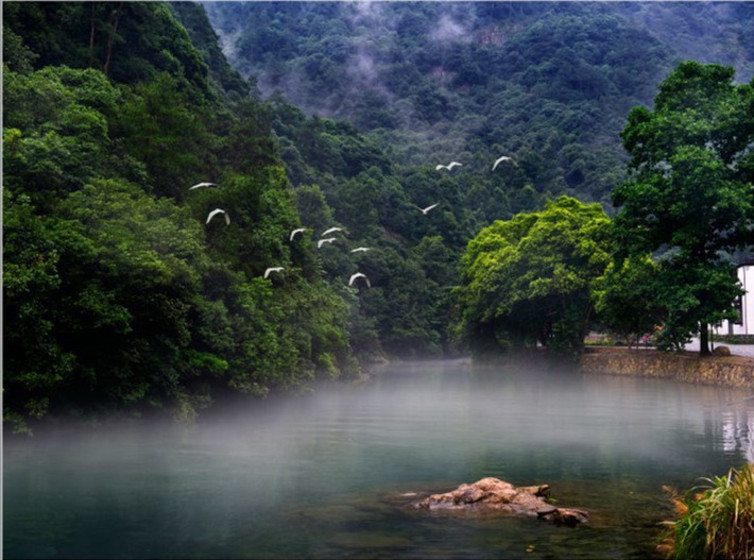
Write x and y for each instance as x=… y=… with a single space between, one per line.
x=715 y=520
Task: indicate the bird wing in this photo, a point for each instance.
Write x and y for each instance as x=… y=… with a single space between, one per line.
x=214 y=213
x=453 y=164
x=440 y=166
x=359 y=249
x=331 y=230
x=198 y=185
x=359 y=275
x=498 y=160
x=321 y=241
x=428 y=208
x=295 y=231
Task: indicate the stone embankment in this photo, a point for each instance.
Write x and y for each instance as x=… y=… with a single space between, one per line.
x=721 y=370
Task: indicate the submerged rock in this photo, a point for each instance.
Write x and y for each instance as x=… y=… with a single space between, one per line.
x=497 y=496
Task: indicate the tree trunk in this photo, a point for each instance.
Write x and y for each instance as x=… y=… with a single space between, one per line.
x=704 y=340
x=92 y=28
x=111 y=40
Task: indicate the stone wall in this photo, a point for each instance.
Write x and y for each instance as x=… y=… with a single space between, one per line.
x=730 y=371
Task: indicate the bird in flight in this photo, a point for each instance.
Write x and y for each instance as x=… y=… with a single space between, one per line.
x=450 y=166
x=199 y=185
x=331 y=230
x=359 y=275
x=360 y=250
x=272 y=269
x=321 y=241
x=502 y=159
x=428 y=208
x=218 y=211
x=295 y=231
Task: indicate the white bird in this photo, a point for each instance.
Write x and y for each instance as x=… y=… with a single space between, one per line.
x=360 y=250
x=501 y=159
x=450 y=166
x=359 y=275
x=428 y=208
x=272 y=269
x=321 y=241
x=331 y=230
x=199 y=185
x=218 y=211
x=295 y=231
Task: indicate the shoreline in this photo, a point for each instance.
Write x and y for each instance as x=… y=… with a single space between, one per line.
x=723 y=371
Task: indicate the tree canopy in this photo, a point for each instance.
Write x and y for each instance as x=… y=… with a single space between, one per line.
x=689 y=197
x=530 y=280
x=118 y=296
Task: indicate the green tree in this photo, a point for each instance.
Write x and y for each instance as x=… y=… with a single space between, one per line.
x=530 y=279
x=689 y=197
x=626 y=298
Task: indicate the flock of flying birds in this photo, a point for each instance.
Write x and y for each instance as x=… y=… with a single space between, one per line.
x=322 y=240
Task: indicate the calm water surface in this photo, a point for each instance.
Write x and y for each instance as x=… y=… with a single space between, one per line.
x=323 y=476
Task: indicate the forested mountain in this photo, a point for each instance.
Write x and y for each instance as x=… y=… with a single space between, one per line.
x=125 y=290
x=120 y=292
x=549 y=83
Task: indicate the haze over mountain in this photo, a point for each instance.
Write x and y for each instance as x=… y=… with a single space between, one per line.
x=548 y=82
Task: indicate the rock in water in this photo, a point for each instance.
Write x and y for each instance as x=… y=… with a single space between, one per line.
x=497 y=496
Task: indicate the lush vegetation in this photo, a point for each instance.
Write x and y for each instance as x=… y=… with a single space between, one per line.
x=549 y=83
x=117 y=294
x=121 y=294
x=689 y=198
x=685 y=210
x=715 y=520
x=529 y=281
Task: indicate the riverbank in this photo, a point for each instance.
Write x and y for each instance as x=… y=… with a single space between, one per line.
x=725 y=371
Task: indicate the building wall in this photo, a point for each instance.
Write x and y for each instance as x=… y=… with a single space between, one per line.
x=746 y=324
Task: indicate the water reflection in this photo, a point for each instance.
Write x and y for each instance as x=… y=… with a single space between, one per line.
x=738 y=433
x=323 y=476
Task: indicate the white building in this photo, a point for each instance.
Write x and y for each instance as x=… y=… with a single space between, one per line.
x=745 y=324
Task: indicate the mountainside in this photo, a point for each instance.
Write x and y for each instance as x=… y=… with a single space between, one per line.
x=549 y=83
x=150 y=200
x=327 y=236
x=144 y=202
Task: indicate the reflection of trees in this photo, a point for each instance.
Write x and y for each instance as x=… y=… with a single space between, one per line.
x=738 y=433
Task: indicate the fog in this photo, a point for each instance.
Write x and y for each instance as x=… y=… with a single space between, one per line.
x=237 y=481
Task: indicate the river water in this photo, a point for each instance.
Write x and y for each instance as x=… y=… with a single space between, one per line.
x=333 y=474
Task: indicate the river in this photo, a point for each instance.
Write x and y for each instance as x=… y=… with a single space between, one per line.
x=333 y=474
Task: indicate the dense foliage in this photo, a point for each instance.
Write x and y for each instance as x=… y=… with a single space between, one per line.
x=530 y=281
x=125 y=290
x=549 y=83
x=689 y=197
x=117 y=294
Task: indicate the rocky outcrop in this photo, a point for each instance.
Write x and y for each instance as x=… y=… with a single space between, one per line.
x=492 y=495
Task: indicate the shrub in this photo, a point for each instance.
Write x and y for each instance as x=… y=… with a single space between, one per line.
x=715 y=520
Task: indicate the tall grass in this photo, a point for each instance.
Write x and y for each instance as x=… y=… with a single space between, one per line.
x=715 y=520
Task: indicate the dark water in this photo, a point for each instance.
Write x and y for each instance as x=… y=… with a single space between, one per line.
x=322 y=476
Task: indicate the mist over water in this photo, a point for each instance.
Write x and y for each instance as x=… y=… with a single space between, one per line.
x=322 y=476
